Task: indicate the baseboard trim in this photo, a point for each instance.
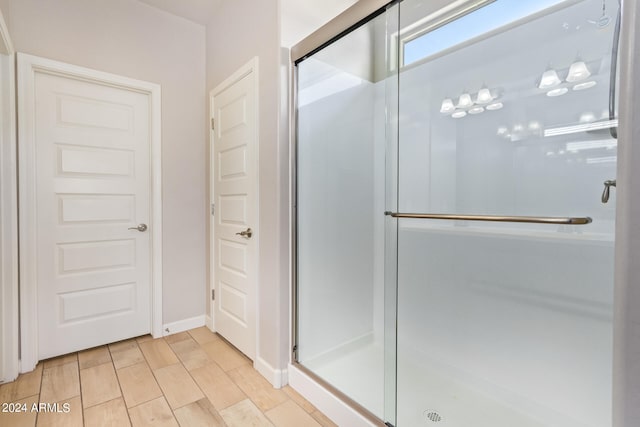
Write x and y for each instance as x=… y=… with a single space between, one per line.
x=277 y=377
x=208 y=322
x=183 y=325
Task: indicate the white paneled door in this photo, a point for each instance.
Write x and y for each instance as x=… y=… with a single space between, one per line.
x=235 y=222
x=92 y=179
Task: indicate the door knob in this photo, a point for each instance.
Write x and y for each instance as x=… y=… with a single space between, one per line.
x=246 y=233
x=607 y=189
x=140 y=227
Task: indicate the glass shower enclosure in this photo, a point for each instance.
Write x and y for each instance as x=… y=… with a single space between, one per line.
x=455 y=165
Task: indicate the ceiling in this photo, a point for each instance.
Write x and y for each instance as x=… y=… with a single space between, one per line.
x=200 y=11
x=298 y=17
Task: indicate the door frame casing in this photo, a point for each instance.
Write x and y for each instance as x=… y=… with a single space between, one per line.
x=8 y=222
x=251 y=67
x=9 y=339
x=28 y=66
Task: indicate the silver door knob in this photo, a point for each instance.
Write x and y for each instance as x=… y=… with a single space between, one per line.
x=246 y=233
x=140 y=227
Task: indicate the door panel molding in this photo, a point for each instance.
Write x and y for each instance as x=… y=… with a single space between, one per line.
x=27 y=68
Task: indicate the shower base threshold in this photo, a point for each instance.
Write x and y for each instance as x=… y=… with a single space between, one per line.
x=427 y=396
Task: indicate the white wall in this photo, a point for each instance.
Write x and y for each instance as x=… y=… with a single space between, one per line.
x=240 y=30
x=133 y=39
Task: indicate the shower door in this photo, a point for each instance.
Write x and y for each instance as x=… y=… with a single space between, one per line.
x=344 y=327
x=505 y=245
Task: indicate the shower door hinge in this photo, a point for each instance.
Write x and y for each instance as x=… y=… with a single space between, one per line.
x=294 y=350
x=213 y=208
x=213 y=123
x=213 y=294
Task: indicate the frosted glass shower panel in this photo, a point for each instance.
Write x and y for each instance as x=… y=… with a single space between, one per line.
x=510 y=323
x=340 y=204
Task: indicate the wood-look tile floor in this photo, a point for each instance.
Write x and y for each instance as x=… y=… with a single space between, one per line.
x=189 y=379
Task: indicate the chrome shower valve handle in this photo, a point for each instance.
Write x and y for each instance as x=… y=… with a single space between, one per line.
x=607 y=189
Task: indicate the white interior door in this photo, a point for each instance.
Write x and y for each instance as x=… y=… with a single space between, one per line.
x=91 y=171
x=234 y=179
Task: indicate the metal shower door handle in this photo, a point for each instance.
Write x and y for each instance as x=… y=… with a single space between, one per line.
x=246 y=233
x=140 y=227
x=607 y=190
x=584 y=220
